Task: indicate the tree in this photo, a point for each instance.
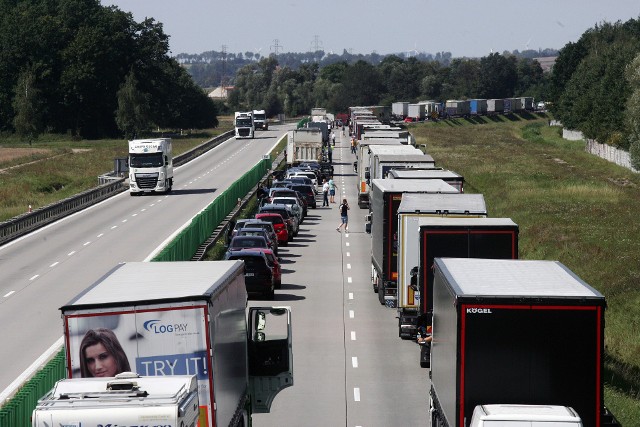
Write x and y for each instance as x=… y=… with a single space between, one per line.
x=133 y=114
x=27 y=106
x=632 y=113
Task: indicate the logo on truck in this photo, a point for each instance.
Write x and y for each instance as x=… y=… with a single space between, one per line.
x=157 y=327
x=475 y=310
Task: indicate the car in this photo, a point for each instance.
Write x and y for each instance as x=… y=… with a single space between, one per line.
x=257 y=231
x=276 y=268
x=265 y=225
x=289 y=217
x=279 y=225
x=240 y=243
x=293 y=203
x=288 y=192
x=238 y=225
x=299 y=180
x=409 y=119
x=309 y=174
x=308 y=191
x=258 y=275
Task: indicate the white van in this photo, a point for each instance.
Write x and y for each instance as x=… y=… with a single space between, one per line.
x=525 y=416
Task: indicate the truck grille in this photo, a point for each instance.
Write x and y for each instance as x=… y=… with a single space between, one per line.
x=244 y=132
x=147 y=180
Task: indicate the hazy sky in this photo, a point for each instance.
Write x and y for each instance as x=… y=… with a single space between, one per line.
x=462 y=27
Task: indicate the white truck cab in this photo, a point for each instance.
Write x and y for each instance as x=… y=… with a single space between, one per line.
x=260 y=119
x=524 y=416
x=150 y=165
x=244 y=124
x=124 y=400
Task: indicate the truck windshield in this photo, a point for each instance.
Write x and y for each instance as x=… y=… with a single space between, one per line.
x=242 y=122
x=146 y=160
x=259 y=116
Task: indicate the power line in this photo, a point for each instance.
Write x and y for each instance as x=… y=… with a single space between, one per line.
x=276 y=46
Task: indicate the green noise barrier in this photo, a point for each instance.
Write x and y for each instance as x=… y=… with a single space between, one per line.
x=17 y=411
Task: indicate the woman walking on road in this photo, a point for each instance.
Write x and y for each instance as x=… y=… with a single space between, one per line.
x=332 y=191
x=344 y=216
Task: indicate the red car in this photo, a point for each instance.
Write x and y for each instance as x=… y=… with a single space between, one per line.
x=278 y=224
x=274 y=263
x=409 y=119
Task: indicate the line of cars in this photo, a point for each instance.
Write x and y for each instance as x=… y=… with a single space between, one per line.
x=256 y=241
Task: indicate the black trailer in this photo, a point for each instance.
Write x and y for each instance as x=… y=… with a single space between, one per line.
x=386 y=195
x=515 y=332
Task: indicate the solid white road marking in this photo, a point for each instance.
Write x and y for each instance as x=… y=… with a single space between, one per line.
x=352 y=314
x=354 y=362
x=353 y=335
x=71 y=253
x=9 y=294
x=54 y=264
x=356 y=394
x=35 y=277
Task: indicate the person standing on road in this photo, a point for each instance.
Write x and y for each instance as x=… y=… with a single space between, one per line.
x=344 y=216
x=333 y=138
x=332 y=191
x=325 y=193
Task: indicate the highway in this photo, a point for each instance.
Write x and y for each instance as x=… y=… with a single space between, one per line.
x=42 y=271
x=350 y=367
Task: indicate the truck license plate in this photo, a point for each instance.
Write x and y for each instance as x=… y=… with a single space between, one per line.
x=248 y=274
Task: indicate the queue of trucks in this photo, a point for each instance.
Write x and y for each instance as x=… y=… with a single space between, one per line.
x=507 y=342
x=149 y=340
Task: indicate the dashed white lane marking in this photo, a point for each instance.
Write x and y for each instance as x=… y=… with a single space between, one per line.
x=135 y=214
x=71 y=253
x=350 y=295
x=352 y=314
x=354 y=362
x=115 y=226
x=159 y=200
x=86 y=243
x=346 y=243
x=356 y=394
x=348 y=253
x=34 y=277
x=152 y=204
x=100 y=235
x=349 y=280
x=348 y=266
x=124 y=220
x=8 y=294
x=143 y=209
x=353 y=335
x=54 y=264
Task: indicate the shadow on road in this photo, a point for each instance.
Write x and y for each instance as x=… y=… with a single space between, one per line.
x=192 y=191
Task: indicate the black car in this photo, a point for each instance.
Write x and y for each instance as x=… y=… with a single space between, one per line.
x=258 y=276
x=240 y=243
x=308 y=192
x=249 y=230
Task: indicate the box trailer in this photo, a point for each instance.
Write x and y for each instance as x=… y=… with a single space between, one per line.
x=416 y=111
x=361 y=165
x=515 y=332
x=478 y=106
x=447 y=176
x=183 y=318
x=385 y=163
x=416 y=210
x=304 y=145
x=124 y=400
x=495 y=106
x=400 y=109
x=386 y=195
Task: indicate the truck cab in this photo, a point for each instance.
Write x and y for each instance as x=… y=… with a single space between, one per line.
x=244 y=124
x=524 y=416
x=260 y=119
x=150 y=165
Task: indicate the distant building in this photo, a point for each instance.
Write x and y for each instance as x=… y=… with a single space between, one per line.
x=546 y=62
x=221 y=92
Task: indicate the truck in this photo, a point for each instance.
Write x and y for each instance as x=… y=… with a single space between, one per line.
x=150 y=166
x=478 y=106
x=416 y=112
x=260 y=119
x=515 y=332
x=495 y=106
x=382 y=164
x=457 y=108
x=400 y=110
x=324 y=129
x=364 y=192
x=386 y=195
x=304 y=145
x=183 y=318
x=414 y=212
x=124 y=400
x=447 y=176
x=245 y=127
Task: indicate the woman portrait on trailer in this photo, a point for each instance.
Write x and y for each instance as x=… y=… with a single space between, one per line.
x=101 y=354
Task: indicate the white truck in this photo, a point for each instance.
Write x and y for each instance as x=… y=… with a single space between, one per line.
x=304 y=145
x=124 y=400
x=183 y=318
x=361 y=165
x=260 y=119
x=150 y=166
x=244 y=124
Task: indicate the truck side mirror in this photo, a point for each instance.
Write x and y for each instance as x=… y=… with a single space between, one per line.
x=367 y=175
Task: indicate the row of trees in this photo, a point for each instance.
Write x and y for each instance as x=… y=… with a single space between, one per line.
x=595 y=84
x=76 y=66
x=277 y=88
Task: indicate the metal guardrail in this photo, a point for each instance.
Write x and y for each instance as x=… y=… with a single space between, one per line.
x=28 y=222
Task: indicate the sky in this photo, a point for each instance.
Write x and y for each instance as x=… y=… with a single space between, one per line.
x=471 y=28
